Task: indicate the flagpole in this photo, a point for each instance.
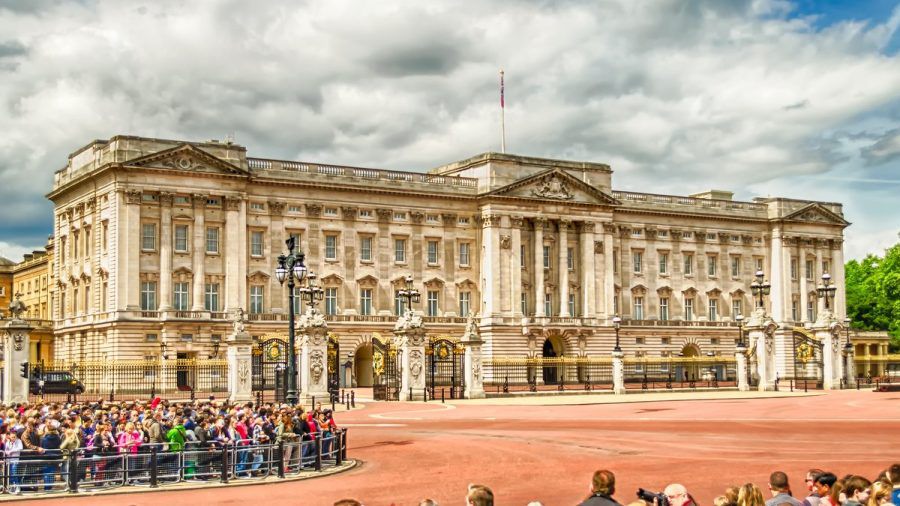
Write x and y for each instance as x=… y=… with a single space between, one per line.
x=502 y=117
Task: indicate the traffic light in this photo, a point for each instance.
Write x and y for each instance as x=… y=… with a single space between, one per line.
x=25 y=369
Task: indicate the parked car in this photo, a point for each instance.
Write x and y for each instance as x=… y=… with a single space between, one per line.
x=54 y=382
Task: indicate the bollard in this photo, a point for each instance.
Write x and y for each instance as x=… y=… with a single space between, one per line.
x=318 y=451
x=442 y=395
x=348 y=404
x=344 y=448
x=280 y=461
x=410 y=394
x=343 y=393
x=224 y=477
x=425 y=394
x=73 y=472
x=792 y=384
x=313 y=407
x=353 y=398
x=805 y=387
x=154 y=466
x=332 y=402
x=336 y=447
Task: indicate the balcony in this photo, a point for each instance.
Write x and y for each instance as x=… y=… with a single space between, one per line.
x=676 y=323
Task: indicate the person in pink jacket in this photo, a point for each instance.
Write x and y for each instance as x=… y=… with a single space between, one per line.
x=130 y=439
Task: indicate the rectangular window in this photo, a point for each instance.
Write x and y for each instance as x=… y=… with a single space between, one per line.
x=688 y=264
x=211 y=297
x=180 y=297
x=330 y=247
x=737 y=308
x=795 y=310
x=187 y=338
x=548 y=304
x=811 y=311
x=75 y=245
x=825 y=266
x=256 y=243
x=365 y=249
x=151 y=338
x=546 y=256
x=570 y=259
x=148 y=296
x=433 y=252
x=637 y=260
x=400 y=250
x=331 y=300
x=809 y=270
x=689 y=309
x=464 y=303
x=399 y=216
x=298 y=300
x=735 y=267
x=572 y=305
x=148 y=237
x=212 y=240
x=365 y=213
x=524 y=303
x=713 y=309
x=638 y=308
x=712 y=265
x=616 y=304
x=365 y=301
x=330 y=211
x=464 y=256
x=522 y=256
x=615 y=256
x=432 y=303
x=663 y=308
x=795 y=268
x=181 y=238
x=399 y=303
x=257 y=303
x=759 y=264
x=663 y=263
x=105 y=236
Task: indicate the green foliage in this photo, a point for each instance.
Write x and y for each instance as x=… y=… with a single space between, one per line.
x=873 y=293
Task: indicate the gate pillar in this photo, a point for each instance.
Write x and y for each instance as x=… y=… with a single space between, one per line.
x=239 y=355
x=828 y=331
x=740 y=358
x=16 y=344
x=313 y=342
x=409 y=335
x=474 y=381
x=762 y=336
x=618 y=370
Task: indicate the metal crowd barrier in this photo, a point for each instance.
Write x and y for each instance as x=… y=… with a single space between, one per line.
x=154 y=465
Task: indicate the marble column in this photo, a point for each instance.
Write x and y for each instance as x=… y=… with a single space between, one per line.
x=609 y=269
x=777 y=276
x=230 y=248
x=277 y=237
x=564 y=268
x=588 y=273
x=539 y=266
x=165 y=252
x=128 y=237
x=199 y=253
x=515 y=265
x=490 y=265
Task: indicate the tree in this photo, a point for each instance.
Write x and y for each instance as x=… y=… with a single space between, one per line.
x=873 y=293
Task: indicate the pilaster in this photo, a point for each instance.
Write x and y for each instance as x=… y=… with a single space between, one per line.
x=564 y=268
x=165 y=251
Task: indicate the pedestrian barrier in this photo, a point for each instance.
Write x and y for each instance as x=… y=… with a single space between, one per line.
x=155 y=465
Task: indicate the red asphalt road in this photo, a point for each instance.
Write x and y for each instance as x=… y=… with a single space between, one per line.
x=549 y=453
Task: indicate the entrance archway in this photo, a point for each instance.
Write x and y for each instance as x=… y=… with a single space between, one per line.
x=363 y=372
x=553 y=348
x=689 y=370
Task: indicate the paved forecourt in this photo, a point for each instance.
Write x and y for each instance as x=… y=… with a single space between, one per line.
x=546 y=448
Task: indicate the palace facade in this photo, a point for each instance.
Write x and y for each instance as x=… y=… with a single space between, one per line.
x=158 y=240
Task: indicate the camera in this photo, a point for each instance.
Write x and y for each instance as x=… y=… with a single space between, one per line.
x=646 y=495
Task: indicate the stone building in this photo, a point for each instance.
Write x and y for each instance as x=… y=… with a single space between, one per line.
x=33 y=279
x=6 y=283
x=158 y=239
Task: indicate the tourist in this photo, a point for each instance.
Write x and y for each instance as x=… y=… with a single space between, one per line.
x=50 y=442
x=678 y=495
x=12 y=448
x=881 y=493
x=824 y=484
x=479 y=495
x=602 y=488
x=750 y=495
x=812 y=498
x=857 y=490
x=893 y=473
x=781 y=490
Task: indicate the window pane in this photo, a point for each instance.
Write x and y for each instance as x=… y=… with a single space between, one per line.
x=212 y=240
x=365 y=249
x=148 y=237
x=331 y=247
x=399 y=250
x=181 y=234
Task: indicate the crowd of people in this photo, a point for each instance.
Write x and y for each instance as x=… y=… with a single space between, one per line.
x=37 y=438
x=822 y=488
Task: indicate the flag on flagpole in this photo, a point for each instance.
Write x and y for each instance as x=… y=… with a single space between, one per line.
x=501 y=89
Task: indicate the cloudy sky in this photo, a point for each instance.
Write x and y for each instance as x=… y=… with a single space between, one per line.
x=788 y=98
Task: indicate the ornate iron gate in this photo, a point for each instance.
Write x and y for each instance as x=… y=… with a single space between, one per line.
x=385 y=371
x=334 y=366
x=445 y=360
x=808 y=359
x=269 y=373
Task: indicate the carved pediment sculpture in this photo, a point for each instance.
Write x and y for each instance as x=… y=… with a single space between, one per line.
x=553 y=187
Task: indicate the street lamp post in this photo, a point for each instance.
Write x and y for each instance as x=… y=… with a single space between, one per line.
x=740 y=321
x=760 y=288
x=291 y=268
x=848 y=351
x=409 y=293
x=826 y=290
x=617 y=322
x=311 y=293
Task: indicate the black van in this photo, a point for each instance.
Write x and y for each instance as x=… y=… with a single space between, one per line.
x=54 y=382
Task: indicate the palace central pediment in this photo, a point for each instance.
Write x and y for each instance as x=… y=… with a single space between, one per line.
x=816 y=213
x=554 y=185
x=187 y=158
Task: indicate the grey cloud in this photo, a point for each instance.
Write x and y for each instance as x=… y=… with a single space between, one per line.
x=11 y=49
x=886 y=149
